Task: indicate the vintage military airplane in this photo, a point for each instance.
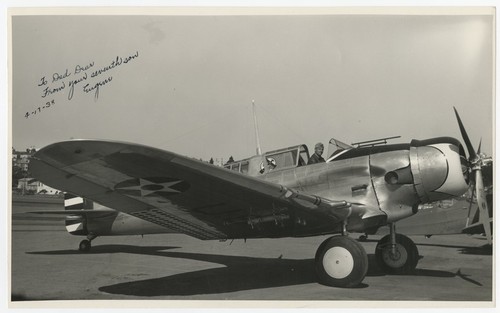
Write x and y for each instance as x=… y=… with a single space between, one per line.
x=126 y=189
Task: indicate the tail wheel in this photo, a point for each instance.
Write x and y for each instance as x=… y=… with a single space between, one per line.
x=341 y=262
x=84 y=245
x=401 y=260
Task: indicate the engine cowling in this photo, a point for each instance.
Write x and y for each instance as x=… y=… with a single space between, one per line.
x=426 y=171
x=439 y=168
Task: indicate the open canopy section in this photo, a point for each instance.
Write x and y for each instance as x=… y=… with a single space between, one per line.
x=335 y=148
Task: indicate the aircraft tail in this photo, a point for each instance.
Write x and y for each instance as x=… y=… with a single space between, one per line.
x=76 y=224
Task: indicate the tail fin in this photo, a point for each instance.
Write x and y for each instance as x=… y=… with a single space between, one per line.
x=76 y=224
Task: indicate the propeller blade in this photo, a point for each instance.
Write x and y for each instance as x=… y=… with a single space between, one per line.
x=470 y=218
x=484 y=216
x=479 y=148
x=472 y=153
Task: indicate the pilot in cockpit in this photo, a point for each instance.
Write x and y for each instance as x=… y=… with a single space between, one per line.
x=316 y=157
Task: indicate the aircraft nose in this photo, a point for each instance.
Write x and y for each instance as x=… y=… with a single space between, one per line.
x=437 y=168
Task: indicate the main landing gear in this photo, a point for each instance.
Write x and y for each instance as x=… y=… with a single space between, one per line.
x=85 y=244
x=396 y=253
x=342 y=261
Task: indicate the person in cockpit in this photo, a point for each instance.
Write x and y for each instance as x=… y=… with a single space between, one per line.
x=316 y=157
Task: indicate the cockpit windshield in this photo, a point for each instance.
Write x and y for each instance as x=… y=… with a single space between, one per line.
x=336 y=146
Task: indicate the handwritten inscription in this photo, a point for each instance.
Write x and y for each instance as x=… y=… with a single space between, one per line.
x=38 y=110
x=79 y=69
x=52 y=90
x=87 y=88
x=73 y=83
x=115 y=63
x=56 y=76
x=87 y=78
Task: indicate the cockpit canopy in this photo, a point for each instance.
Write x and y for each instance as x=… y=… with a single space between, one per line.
x=285 y=158
x=290 y=157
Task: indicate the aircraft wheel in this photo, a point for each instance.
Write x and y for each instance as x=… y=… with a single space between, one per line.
x=403 y=261
x=84 y=245
x=341 y=262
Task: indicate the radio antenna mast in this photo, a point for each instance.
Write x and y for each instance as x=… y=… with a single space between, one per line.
x=259 y=151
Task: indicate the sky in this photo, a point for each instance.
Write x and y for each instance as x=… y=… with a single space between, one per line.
x=189 y=83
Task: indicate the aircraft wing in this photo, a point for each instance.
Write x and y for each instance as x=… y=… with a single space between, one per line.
x=183 y=194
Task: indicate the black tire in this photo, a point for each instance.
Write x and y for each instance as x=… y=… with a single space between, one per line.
x=403 y=262
x=341 y=262
x=84 y=246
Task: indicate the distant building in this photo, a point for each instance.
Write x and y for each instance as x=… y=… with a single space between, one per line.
x=44 y=189
x=21 y=159
x=33 y=186
x=24 y=184
x=219 y=162
x=27 y=185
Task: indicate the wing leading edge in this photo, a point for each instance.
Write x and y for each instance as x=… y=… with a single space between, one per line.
x=183 y=194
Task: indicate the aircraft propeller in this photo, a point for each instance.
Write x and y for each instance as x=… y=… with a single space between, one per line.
x=476 y=162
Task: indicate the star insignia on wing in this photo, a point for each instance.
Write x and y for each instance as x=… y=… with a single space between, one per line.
x=143 y=187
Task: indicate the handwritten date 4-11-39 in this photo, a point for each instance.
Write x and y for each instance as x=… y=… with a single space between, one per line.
x=47 y=105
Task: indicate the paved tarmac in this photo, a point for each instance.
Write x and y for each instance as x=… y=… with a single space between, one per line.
x=46 y=265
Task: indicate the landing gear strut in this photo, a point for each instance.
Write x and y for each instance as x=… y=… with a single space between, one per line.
x=396 y=253
x=85 y=244
x=341 y=262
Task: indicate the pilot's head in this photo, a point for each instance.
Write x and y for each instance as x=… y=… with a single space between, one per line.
x=318 y=148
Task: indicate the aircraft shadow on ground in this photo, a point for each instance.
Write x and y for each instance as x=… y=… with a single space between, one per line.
x=478 y=250
x=238 y=273
x=375 y=270
x=483 y=250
